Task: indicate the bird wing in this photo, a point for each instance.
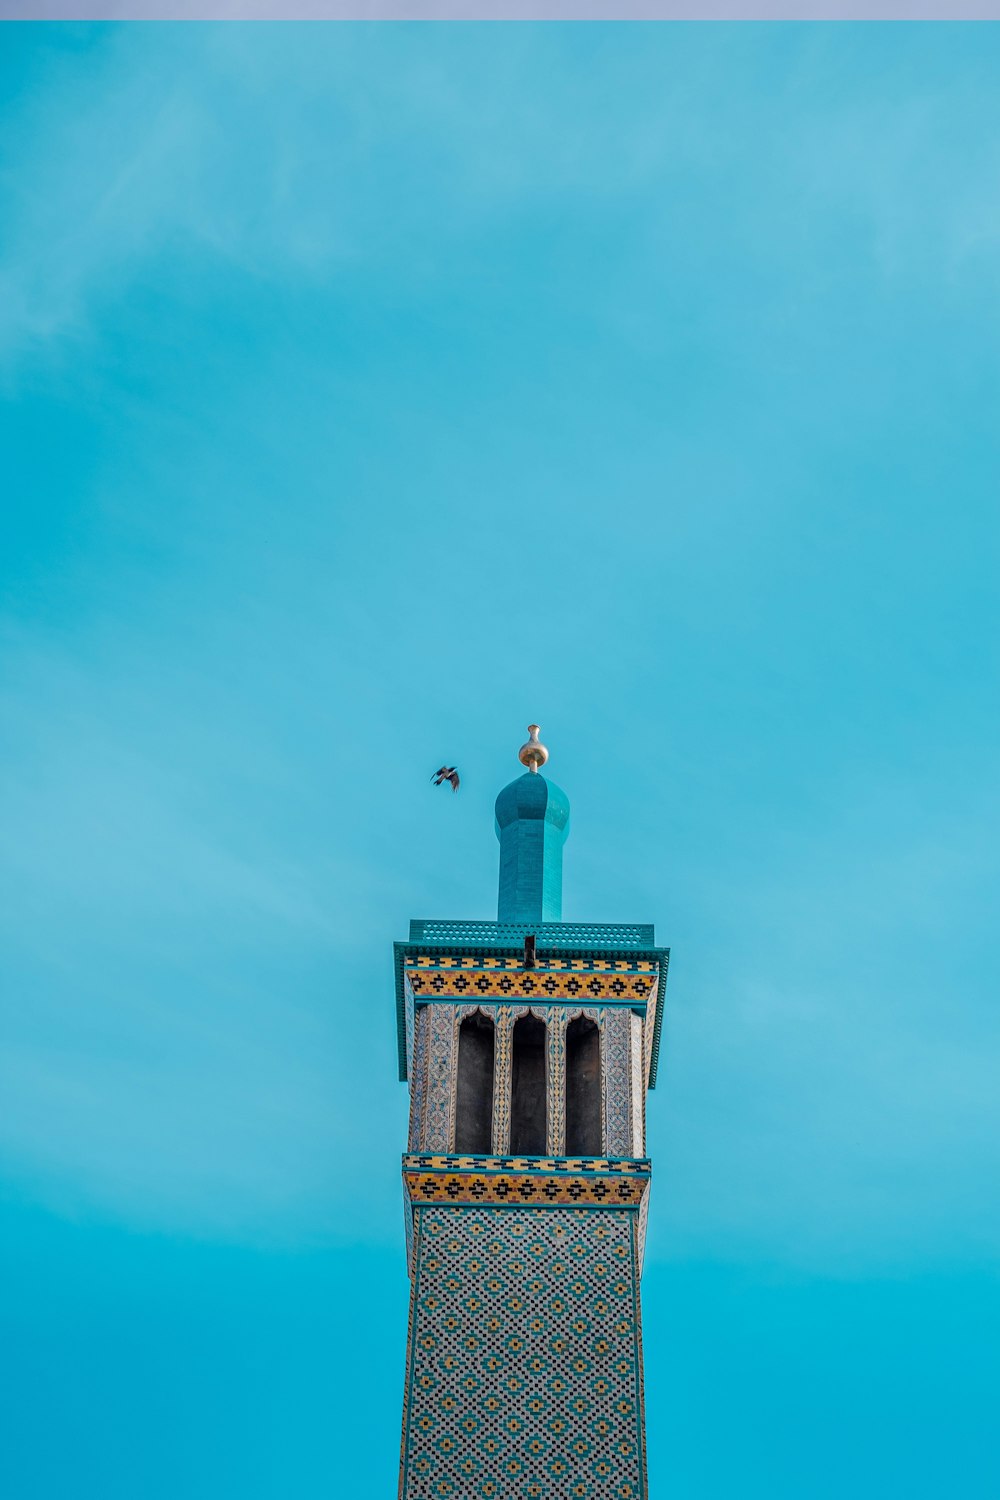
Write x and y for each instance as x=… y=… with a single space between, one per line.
x=453 y=778
x=440 y=775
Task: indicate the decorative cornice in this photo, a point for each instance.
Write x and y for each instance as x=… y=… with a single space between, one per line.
x=591 y=1182
x=617 y=983
x=591 y=1166
x=557 y=943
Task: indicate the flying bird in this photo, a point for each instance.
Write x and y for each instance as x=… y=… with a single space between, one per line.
x=446 y=773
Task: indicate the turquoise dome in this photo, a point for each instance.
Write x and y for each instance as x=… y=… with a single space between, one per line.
x=532 y=821
x=532 y=796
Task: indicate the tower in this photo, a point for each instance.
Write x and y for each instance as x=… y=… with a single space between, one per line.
x=529 y=1044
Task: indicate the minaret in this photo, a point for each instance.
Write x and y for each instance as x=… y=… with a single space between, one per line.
x=529 y=1044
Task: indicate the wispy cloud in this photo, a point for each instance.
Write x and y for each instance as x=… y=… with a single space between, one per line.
x=381 y=392
x=146 y=159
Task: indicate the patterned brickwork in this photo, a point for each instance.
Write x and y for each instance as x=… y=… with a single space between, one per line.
x=616 y=1052
x=515 y=966
x=418 y=1079
x=524 y=1374
x=442 y=1062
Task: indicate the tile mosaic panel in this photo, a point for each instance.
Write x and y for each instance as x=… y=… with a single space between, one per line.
x=524 y=1371
x=612 y=1190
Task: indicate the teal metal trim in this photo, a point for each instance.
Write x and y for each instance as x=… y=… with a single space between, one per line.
x=661 y=995
x=563 y=938
x=550 y=934
x=398 y=951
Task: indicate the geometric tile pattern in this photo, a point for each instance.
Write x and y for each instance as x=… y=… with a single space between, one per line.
x=511 y=965
x=483 y=1179
x=588 y=1166
x=524 y=1374
x=617 y=980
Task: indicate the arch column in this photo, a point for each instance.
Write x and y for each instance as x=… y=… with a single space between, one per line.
x=555 y=1071
x=442 y=1067
x=505 y=1017
x=616 y=1056
x=473 y=1111
x=555 y=1081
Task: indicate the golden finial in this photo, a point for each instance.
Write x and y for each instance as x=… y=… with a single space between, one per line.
x=533 y=753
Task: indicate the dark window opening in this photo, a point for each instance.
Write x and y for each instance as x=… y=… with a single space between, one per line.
x=583 y=1088
x=527 y=1102
x=474 y=1104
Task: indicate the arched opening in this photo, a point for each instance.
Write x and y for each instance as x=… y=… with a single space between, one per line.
x=583 y=1088
x=474 y=1102
x=527 y=1095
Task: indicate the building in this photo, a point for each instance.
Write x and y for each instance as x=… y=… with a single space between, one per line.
x=529 y=1044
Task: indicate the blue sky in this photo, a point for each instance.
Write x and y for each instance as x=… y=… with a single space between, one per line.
x=523 y=10
x=370 y=391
